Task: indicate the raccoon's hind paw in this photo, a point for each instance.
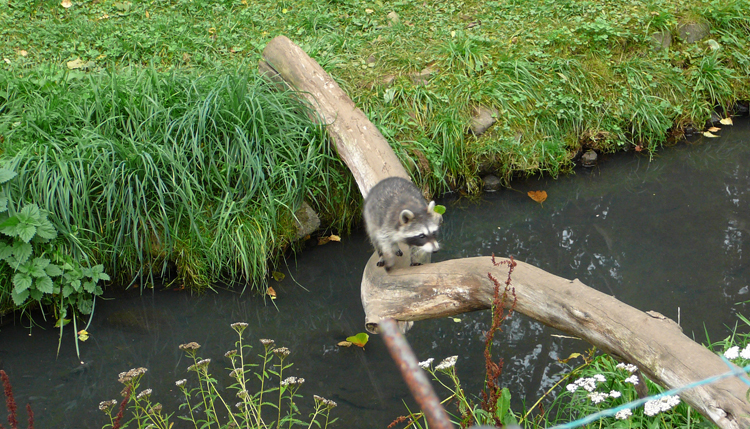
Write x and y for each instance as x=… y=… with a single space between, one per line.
x=381 y=263
x=415 y=264
x=399 y=252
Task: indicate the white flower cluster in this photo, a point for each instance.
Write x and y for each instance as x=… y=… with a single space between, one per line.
x=627 y=367
x=734 y=352
x=664 y=403
x=426 y=364
x=633 y=379
x=447 y=363
x=623 y=414
x=587 y=383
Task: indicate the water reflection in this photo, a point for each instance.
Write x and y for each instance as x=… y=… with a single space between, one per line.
x=658 y=235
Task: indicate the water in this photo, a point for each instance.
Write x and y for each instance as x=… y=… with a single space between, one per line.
x=662 y=235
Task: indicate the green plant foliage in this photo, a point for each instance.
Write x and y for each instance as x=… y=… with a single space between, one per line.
x=208 y=404
x=33 y=257
x=143 y=169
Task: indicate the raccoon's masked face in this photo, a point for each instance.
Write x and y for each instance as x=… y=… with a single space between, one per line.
x=421 y=231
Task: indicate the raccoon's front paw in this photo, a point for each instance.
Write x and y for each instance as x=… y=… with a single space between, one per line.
x=415 y=264
x=399 y=252
x=380 y=263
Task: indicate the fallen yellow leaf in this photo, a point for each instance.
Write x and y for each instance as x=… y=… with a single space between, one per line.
x=270 y=292
x=714 y=129
x=75 y=64
x=538 y=196
x=709 y=134
x=66 y=3
x=344 y=344
x=334 y=237
x=726 y=121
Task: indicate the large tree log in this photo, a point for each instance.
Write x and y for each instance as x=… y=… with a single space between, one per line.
x=359 y=143
x=652 y=342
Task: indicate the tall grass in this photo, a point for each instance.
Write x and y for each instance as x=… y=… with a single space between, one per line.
x=142 y=169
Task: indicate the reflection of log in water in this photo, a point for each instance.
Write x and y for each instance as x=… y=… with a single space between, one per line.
x=651 y=341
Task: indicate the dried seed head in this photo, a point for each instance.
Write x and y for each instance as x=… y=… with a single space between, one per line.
x=281 y=352
x=230 y=353
x=145 y=394
x=239 y=326
x=107 y=405
x=267 y=343
x=190 y=347
x=125 y=377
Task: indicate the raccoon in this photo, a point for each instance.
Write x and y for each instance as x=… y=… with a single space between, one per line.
x=395 y=212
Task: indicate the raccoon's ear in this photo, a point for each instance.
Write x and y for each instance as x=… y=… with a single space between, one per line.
x=431 y=206
x=405 y=216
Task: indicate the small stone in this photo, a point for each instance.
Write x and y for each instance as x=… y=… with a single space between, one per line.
x=589 y=158
x=393 y=16
x=306 y=220
x=693 y=31
x=424 y=76
x=371 y=59
x=661 y=41
x=491 y=183
x=482 y=119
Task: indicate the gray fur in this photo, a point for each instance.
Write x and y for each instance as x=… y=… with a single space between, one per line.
x=395 y=212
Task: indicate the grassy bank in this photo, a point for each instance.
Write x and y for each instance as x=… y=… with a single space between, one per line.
x=142 y=128
x=155 y=174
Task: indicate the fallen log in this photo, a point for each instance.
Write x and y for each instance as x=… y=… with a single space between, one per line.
x=650 y=341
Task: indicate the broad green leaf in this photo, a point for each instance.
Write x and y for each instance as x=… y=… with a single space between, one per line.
x=6 y=174
x=503 y=404
x=89 y=286
x=440 y=209
x=44 y=284
x=22 y=251
x=76 y=284
x=19 y=297
x=31 y=214
x=35 y=294
x=37 y=267
x=26 y=231
x=53 y=270
x=45 y=230
x=3 y=203
x=85 y=306
x=61 y=322
x=104 y=276
x=98 y=291
x=5 y=250
x=8 y=227
x=359 y=339
x=67 y=290
x=21 y=282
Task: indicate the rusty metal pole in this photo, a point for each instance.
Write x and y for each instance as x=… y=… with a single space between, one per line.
x=414 y=376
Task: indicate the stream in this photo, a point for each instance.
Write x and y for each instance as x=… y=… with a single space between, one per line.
x=664 y=234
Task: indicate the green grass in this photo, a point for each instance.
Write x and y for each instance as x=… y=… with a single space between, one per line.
x=142 y=168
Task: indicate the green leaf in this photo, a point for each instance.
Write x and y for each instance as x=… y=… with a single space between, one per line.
x=35 y=294
x=67 y=290
x=31 y=214
x=45 y=230
x=504 y=414
x=21 y=282
x=85 y=306
x=9 y=226
x=44 y=284
x=3 y=203
x=37 y=267
x=89 y=286
x=26 y=231
x=359 y=339
x=22 y=251
x=53 y=270
x=5 y=250
x=6 y=174
x=76 y=285
x=19 y=297
x=440 y=209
